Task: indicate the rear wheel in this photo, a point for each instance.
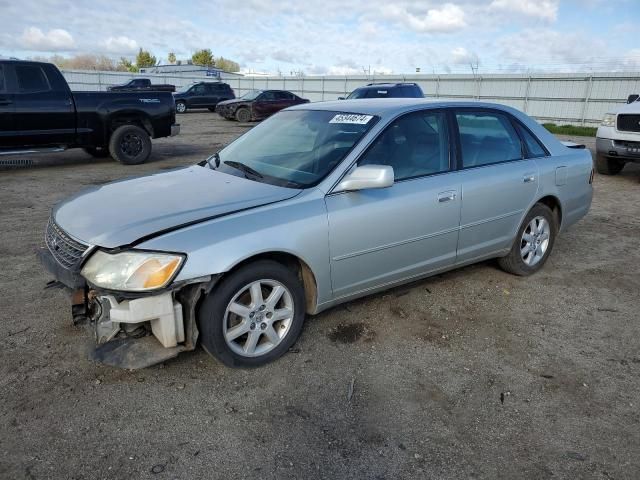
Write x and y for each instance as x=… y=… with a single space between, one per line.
x=181 y=107
x=254 y=316
x=130 y=144
x=97 y=152
x=243 y=115
x=608 y=166
x=533 y=243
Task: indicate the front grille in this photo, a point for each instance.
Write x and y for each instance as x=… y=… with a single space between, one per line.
x=64 y=249
x=629 y=123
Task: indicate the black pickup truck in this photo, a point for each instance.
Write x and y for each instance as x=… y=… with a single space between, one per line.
x=38 y=112
x=137 y=84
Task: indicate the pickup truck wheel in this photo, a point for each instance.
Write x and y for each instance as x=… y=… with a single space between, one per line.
x=608 y=166
x=533 y=243
x=254 y=316
x=181 y=107
x=243 y=115
x=97 y=152
x=130 y=144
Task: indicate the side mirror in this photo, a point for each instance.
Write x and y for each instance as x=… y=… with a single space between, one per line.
x=340 y=98
x=365 y=177
x=632 y=98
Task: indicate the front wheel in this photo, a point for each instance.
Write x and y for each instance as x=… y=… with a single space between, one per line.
x=130 y=144
x=243 y=115
x=181 y=107
x=533 y=243
x=254 y=316
x=608 y=166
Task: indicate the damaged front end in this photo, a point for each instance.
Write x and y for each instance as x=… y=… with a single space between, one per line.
x=132 y=329
x=139 y=332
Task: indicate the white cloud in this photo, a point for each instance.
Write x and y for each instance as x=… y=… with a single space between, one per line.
x=121 y=44
x=541 y=9
x=462 y=56
x=55 y=40
x=446 y=19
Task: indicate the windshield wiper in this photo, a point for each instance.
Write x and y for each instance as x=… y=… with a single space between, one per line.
x=244 y=168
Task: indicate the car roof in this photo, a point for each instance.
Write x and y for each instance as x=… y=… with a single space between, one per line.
x=385 y=107
x=388 y=85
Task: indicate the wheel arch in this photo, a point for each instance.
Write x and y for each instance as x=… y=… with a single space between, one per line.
x=293 y=262
x=137 y=118
x=555 y=205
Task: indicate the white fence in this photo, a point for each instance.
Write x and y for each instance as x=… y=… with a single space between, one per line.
x=579 y=99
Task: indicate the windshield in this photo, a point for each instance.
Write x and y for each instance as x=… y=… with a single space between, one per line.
x=184 y=89
x=295 y=148
x=358 y=93
x=251 y=95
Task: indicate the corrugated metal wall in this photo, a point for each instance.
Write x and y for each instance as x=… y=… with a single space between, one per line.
x=579 y=99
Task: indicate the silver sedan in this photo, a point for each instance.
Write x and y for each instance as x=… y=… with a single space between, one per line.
x=318 y=205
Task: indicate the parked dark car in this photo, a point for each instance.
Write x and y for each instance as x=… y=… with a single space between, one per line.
x=258 y=104
x=39 y=112
x=387 y=90
x=137 y=84
x=203 y=95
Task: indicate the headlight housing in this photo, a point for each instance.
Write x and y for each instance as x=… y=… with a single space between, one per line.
x=132 y=271
x=609 y=120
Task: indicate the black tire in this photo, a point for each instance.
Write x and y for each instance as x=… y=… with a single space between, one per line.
x=97 y=152
x=608 y=166
x=514 y=263
x=181 y=107
x=243 y=115
x=130 y=144
x=212 y=312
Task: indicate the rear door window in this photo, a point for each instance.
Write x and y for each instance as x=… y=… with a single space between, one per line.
x=534 y=147
x=31 y=79
x=487 y=138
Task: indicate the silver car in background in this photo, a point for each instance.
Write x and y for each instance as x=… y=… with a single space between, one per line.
x=320 y=204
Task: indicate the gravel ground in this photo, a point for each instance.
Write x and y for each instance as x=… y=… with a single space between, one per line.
x=470 y=374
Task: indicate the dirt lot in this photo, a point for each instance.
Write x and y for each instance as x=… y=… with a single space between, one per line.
x=471 y=374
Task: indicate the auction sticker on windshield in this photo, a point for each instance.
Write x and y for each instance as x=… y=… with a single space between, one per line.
x=351 y=118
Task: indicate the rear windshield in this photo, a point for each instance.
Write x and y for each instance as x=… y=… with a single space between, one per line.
x=295 y=148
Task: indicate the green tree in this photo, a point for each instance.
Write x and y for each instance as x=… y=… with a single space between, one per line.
x=171 y=57
x=125 y=65
x=203 y=57
x=145 y=59
x=227 y=65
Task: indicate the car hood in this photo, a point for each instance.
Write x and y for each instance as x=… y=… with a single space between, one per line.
x=232 y=101
x=122 y=212
x=630 y=108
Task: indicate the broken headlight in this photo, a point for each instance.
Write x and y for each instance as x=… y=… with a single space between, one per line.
x=134 y=271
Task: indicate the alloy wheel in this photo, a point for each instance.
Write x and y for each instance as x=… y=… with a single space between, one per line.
x=258 y=318
x=535 y=241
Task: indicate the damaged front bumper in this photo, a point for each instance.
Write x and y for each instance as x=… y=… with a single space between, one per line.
x=134 y=331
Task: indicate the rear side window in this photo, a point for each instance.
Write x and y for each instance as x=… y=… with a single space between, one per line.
x=415 y=145
x=31 y=79
x=2 y=82
x=487 y=138
x=534 y=147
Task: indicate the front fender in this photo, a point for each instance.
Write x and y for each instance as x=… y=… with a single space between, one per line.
x=298 y=227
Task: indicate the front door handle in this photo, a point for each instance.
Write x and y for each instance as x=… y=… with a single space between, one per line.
x=447 y=196
x=528 y=178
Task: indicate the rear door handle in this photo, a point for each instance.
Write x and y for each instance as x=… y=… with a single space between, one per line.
x=528 y=178
x=447 y=196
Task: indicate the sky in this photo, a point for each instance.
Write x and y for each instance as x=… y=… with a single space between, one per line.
x=338 y=37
